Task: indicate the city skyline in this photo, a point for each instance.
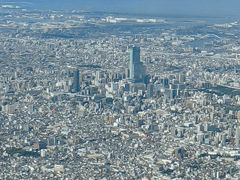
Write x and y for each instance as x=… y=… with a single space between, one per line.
x=93 y=95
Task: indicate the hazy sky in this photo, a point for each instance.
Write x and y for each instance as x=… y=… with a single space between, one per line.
x=183 y=7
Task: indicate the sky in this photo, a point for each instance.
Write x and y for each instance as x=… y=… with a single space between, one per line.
x=172 y=7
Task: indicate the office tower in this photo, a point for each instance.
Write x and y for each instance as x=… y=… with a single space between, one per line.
x=76 y=85
x=237 y=137
x=136 y=68
x=98 y=78
x=182 y=78
x=173 y=93
x=98 y=75
x=166 y=83
x=126 y=73
x=150 y=90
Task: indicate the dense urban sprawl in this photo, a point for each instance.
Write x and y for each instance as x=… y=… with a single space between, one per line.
x=98 y=96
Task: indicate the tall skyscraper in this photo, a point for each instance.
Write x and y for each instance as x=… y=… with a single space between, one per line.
x=76 y=85
x=136 y=67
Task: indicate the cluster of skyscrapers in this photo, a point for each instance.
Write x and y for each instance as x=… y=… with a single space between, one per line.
x=135 y=73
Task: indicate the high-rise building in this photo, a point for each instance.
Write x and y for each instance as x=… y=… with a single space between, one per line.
x=76 y=85
x=150 y=90
x=136 y=67
x=237 y=137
